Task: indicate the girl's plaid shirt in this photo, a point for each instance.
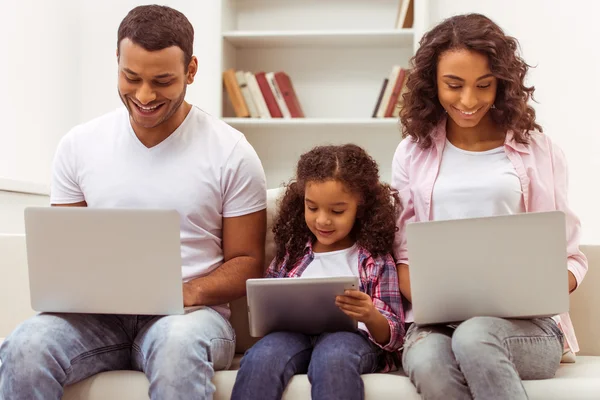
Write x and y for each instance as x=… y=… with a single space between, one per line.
x=378 y=279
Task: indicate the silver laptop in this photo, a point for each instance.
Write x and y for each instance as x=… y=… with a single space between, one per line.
x=511 y=266
x=304 y=305
x=112 y=261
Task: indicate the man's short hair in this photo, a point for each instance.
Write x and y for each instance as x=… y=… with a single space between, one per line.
x=155 y=27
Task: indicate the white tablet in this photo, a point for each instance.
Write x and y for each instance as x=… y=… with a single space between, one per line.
x=305 y=305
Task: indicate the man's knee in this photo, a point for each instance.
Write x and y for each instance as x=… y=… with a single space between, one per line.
x=27 y=353
x=179 y=340
x=29 y=342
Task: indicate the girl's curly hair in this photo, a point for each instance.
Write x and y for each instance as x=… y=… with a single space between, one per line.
x=376 y=217
x=421 y=109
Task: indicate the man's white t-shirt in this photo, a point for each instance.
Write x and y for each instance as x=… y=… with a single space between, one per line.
x=206 y=170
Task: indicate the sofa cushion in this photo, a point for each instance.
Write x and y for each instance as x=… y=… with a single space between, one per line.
x=573 y=381
x=239 y=308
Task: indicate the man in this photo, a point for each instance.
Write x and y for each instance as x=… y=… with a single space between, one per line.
x=157 y=152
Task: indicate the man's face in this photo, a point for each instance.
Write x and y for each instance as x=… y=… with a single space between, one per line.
x=152 y=84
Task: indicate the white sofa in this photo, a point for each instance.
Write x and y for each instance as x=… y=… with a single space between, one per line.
x=573 y=381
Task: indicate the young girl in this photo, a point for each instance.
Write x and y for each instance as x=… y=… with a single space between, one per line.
x=336 y=219
x=474 y=149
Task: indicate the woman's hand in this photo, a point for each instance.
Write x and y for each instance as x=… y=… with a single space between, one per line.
x=404 y=281
x=572 y=282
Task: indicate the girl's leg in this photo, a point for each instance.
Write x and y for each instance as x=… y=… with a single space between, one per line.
x=269 y=365
x=494 y=354
x=337 y=362
x=430 y=364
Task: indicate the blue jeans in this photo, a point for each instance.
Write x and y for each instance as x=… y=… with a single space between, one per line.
x=178 y=353
x=334 y=362
x=483 y=358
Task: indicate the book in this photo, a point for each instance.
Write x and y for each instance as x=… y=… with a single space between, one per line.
x=388 y=91
x=235 y=95
x=379 y=97
x=406 y=14
x=241 y=80
x=286 y=88
x=393 y=101
x=268 y=95
x=404 y=89
x=278 y=96
x=259 y=100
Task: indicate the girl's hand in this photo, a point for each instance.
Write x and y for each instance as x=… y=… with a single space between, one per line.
x=357 y=305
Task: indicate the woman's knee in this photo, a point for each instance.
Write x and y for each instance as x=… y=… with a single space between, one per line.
x=425 y=354
x=431 y=366
x=477 y=333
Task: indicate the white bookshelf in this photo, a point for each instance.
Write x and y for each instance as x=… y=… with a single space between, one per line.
x=337 y=54
x=400 y=38
x=241 y=123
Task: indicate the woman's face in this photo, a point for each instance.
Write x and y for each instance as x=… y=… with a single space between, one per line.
x=466 y=86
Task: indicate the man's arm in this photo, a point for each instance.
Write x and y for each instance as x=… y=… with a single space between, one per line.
x=244 y=255
x=79 y=204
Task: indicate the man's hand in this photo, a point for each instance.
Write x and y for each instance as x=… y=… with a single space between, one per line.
x=357 y=305
x=190 y=295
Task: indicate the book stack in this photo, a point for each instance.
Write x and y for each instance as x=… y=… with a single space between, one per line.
x=406 y=14
x=261 y=95
x=389 y=101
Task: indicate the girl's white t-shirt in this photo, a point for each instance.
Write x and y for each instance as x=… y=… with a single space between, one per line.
x=334 y=263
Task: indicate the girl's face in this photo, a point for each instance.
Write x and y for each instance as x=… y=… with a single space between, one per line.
x=330 y=212
x=466 y=86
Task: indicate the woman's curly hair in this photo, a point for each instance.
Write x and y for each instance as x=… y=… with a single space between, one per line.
x=375 y=225
x=421 y=109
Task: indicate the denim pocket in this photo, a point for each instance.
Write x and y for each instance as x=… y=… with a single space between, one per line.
x=221 y=353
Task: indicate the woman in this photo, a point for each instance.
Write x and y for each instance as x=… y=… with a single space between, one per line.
x=474 y=149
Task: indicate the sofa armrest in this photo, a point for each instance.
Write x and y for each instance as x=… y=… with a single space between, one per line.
x=15 y=306
x=585 y=305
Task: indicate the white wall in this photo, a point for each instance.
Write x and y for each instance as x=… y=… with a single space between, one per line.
x=100 y=22
x=40 y=76
x=560 y=39
x=59 y=70
x=12 y=206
